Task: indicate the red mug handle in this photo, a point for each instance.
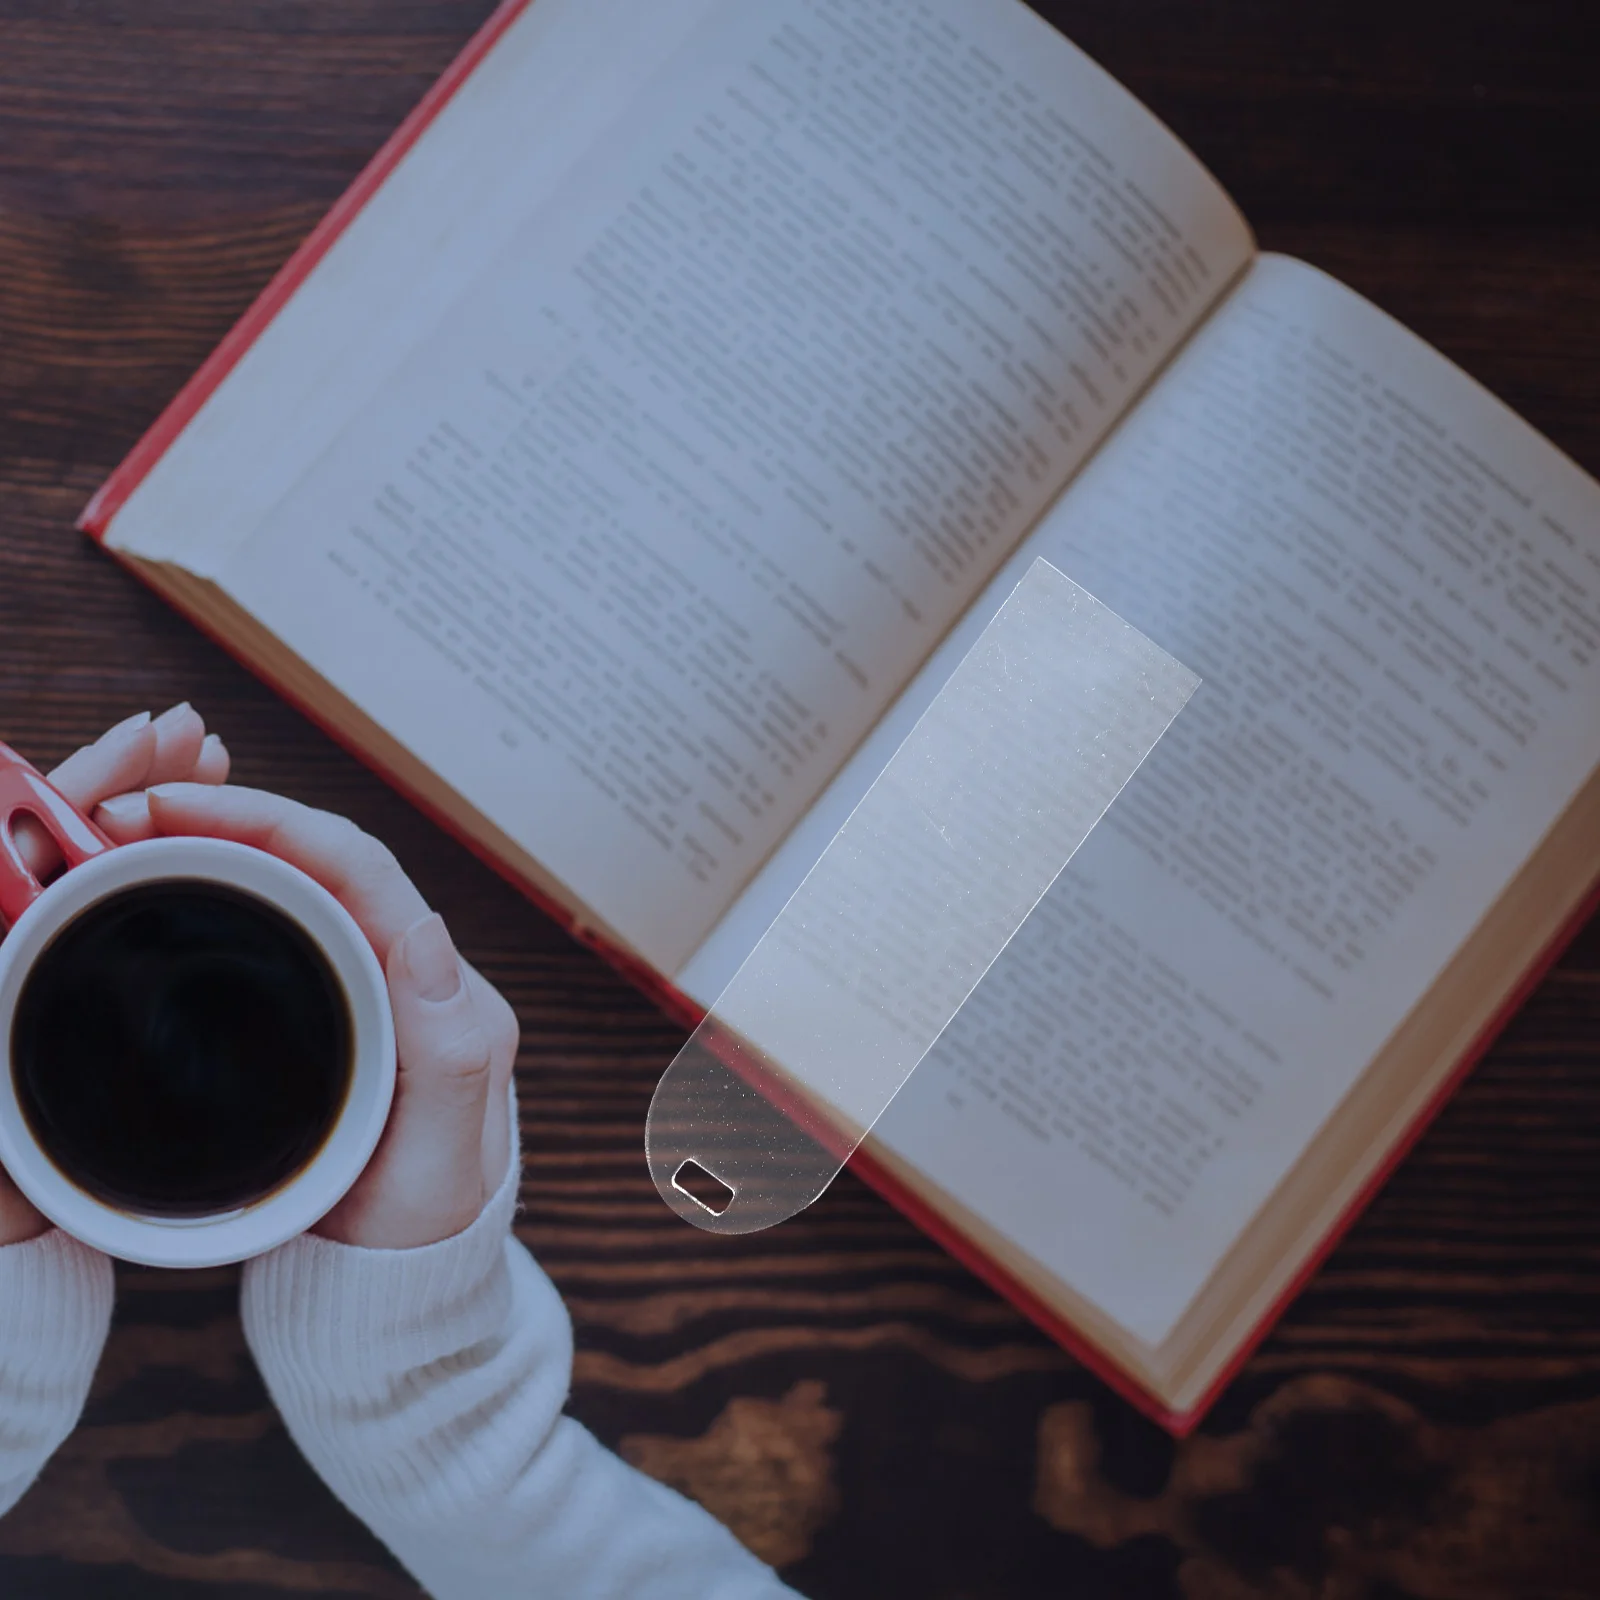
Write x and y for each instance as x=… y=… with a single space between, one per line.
x=24 y=791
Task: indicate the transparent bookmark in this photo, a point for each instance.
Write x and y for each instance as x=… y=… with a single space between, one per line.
x=976 y=814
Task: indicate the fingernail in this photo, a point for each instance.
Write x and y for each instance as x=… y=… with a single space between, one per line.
x=172 y=713
x=210 y=745
x=130 y=725
x=124 y=807
x=431 y=960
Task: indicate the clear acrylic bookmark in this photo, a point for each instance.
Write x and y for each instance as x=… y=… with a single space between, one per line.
x=1035 y=733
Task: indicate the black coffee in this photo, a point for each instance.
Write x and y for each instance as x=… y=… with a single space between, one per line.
x=180 y=1049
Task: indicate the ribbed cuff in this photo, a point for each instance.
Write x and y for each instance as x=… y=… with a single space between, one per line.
x=352 y=1314
x=55 y=1307
x=55 y=1311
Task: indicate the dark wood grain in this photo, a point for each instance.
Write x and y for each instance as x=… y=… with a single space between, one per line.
x=1425 y=1422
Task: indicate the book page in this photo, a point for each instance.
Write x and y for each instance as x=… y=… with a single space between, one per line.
x=645 y=535
x=562 y=73
x=1390 y=587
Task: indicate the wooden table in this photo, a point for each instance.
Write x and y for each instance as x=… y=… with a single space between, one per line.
x=1425 y=1422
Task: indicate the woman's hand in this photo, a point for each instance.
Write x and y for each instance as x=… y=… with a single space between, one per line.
x=111 y=772
x=444 y=1150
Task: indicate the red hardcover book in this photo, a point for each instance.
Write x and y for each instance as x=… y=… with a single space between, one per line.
x=627 y=458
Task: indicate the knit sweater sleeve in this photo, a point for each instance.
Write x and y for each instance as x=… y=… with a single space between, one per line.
x=55 y=1312
x=426 y=1388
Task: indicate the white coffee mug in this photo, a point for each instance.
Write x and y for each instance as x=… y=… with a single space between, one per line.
x=95 y=870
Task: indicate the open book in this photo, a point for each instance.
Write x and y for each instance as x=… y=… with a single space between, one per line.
x=633 y=453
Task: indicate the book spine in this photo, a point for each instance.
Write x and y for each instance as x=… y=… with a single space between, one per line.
x=113 y=494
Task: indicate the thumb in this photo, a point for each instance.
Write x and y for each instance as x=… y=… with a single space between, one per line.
x=429 y=1183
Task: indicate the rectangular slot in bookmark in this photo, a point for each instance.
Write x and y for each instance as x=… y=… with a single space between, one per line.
x=1038 y=729
x=706 y=1189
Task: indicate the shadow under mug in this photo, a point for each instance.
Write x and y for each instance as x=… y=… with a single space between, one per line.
x=96 y=870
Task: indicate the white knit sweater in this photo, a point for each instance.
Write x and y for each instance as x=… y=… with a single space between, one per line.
x=426 y=1387
x=55 y=1310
